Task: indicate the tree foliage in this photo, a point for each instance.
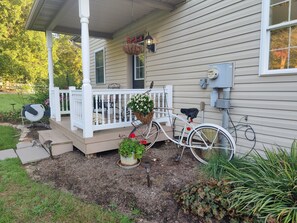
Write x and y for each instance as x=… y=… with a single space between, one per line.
x=23 y=53
x=67 y=62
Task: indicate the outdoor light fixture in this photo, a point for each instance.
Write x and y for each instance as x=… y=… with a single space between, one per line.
x=150 y=43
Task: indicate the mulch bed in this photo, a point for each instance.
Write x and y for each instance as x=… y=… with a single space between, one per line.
x=100 y=180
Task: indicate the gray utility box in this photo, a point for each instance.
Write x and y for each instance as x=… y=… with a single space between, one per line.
x=220 y=75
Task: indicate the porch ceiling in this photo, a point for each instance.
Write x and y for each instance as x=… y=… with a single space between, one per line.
x=106 y=16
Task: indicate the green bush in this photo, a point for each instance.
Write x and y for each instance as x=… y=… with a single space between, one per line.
x=215 y=167
x=11 y=116
x=41 y=94
x=209 y=200
x=266 y=186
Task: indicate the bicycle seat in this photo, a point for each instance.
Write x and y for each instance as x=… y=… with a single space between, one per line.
x=190 y=112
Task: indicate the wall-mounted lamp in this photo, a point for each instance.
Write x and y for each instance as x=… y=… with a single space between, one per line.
x=150 y=43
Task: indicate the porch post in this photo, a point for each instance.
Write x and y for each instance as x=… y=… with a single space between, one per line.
x=50 y=65
x=57 y=103
x=87 y=96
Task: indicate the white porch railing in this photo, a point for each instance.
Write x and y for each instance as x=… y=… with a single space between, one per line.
x=60 y=102
x=109 y=106
x=64 y=102
x=76 y=111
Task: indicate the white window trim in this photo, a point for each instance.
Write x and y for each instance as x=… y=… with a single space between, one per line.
x=265 y=41
x=96 y=51
x=134 y=67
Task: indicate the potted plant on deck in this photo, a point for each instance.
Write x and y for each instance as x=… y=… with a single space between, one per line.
x=142 y=106
x=131 y=151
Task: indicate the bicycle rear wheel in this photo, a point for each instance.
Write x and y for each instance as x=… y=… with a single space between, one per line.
x=146 y=134
x=208 y=141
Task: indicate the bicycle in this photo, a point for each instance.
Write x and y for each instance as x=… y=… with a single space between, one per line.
x=205 y=140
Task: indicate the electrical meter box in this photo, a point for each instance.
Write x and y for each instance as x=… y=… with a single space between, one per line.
x=220 y=75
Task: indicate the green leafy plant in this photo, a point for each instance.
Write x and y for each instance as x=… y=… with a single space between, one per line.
x=11 y=116
x=141 y=103
x=129 y=147
x=266 y=186
x=209 y=200
x=215 y=167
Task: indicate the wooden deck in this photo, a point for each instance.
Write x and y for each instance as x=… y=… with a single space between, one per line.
x=103 y=140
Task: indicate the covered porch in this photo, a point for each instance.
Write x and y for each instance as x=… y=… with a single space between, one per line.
x=88 y=113
x=111 y=119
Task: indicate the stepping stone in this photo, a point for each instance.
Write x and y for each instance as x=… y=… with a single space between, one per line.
x=25 y=144
x=8 y=153
x=32 y=154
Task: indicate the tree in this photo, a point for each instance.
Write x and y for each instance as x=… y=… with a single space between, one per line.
x=67 y=62
x=23 y=53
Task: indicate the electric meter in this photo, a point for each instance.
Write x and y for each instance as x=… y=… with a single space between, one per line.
x=212 y=73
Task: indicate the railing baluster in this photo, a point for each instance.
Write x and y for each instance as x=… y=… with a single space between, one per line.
x=96 y=109
x=114 y=108
x=120 y=107
x=125 y=107
x=67 y=101
x=108 y=108
x=102 y=109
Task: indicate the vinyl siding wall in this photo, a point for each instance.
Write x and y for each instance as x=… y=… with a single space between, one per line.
x=199 y=33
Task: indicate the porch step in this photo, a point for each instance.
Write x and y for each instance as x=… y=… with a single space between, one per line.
x=60 y=143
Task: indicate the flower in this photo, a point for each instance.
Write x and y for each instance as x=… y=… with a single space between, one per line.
x=132 y=135
x=46 y=102
x=133 y=45
x=141 y=103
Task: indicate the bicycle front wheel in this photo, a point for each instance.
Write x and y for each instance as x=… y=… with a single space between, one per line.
x=209 y=141
x=146 y=134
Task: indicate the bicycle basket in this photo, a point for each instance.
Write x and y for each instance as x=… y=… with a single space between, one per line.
x=144 y=119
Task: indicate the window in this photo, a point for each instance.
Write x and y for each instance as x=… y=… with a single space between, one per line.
x=100 y=66
x=278 y=54
x=139 y=67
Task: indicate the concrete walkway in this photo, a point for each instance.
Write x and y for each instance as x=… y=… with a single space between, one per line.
x=27 y=151
x=7 y=154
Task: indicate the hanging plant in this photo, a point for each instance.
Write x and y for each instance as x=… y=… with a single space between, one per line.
x=133 y=46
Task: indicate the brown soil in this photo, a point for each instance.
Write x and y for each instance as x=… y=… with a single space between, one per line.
x=100 y=180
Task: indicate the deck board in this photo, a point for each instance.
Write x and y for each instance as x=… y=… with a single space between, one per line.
x=103 y=140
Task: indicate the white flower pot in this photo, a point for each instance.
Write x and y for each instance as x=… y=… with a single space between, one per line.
x=128 y=161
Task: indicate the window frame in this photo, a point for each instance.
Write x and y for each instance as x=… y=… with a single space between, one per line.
x=95 y=52
x=135 y=68
x=265 y=42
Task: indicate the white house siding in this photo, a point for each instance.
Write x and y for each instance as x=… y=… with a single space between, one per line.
x=199 y=33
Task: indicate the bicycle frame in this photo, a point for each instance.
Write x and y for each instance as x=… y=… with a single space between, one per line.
x=184 y=131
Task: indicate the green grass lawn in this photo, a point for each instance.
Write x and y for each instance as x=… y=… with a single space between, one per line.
x=23 y=200
x=9 y=137
x=18 y=99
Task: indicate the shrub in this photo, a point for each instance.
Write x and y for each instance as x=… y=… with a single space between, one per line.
x=266 y=186
x=209 y=200
x=40 y=95
x=215 y=167
x=11 y=116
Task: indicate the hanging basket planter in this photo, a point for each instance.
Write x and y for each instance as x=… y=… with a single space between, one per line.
x=133 y=48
